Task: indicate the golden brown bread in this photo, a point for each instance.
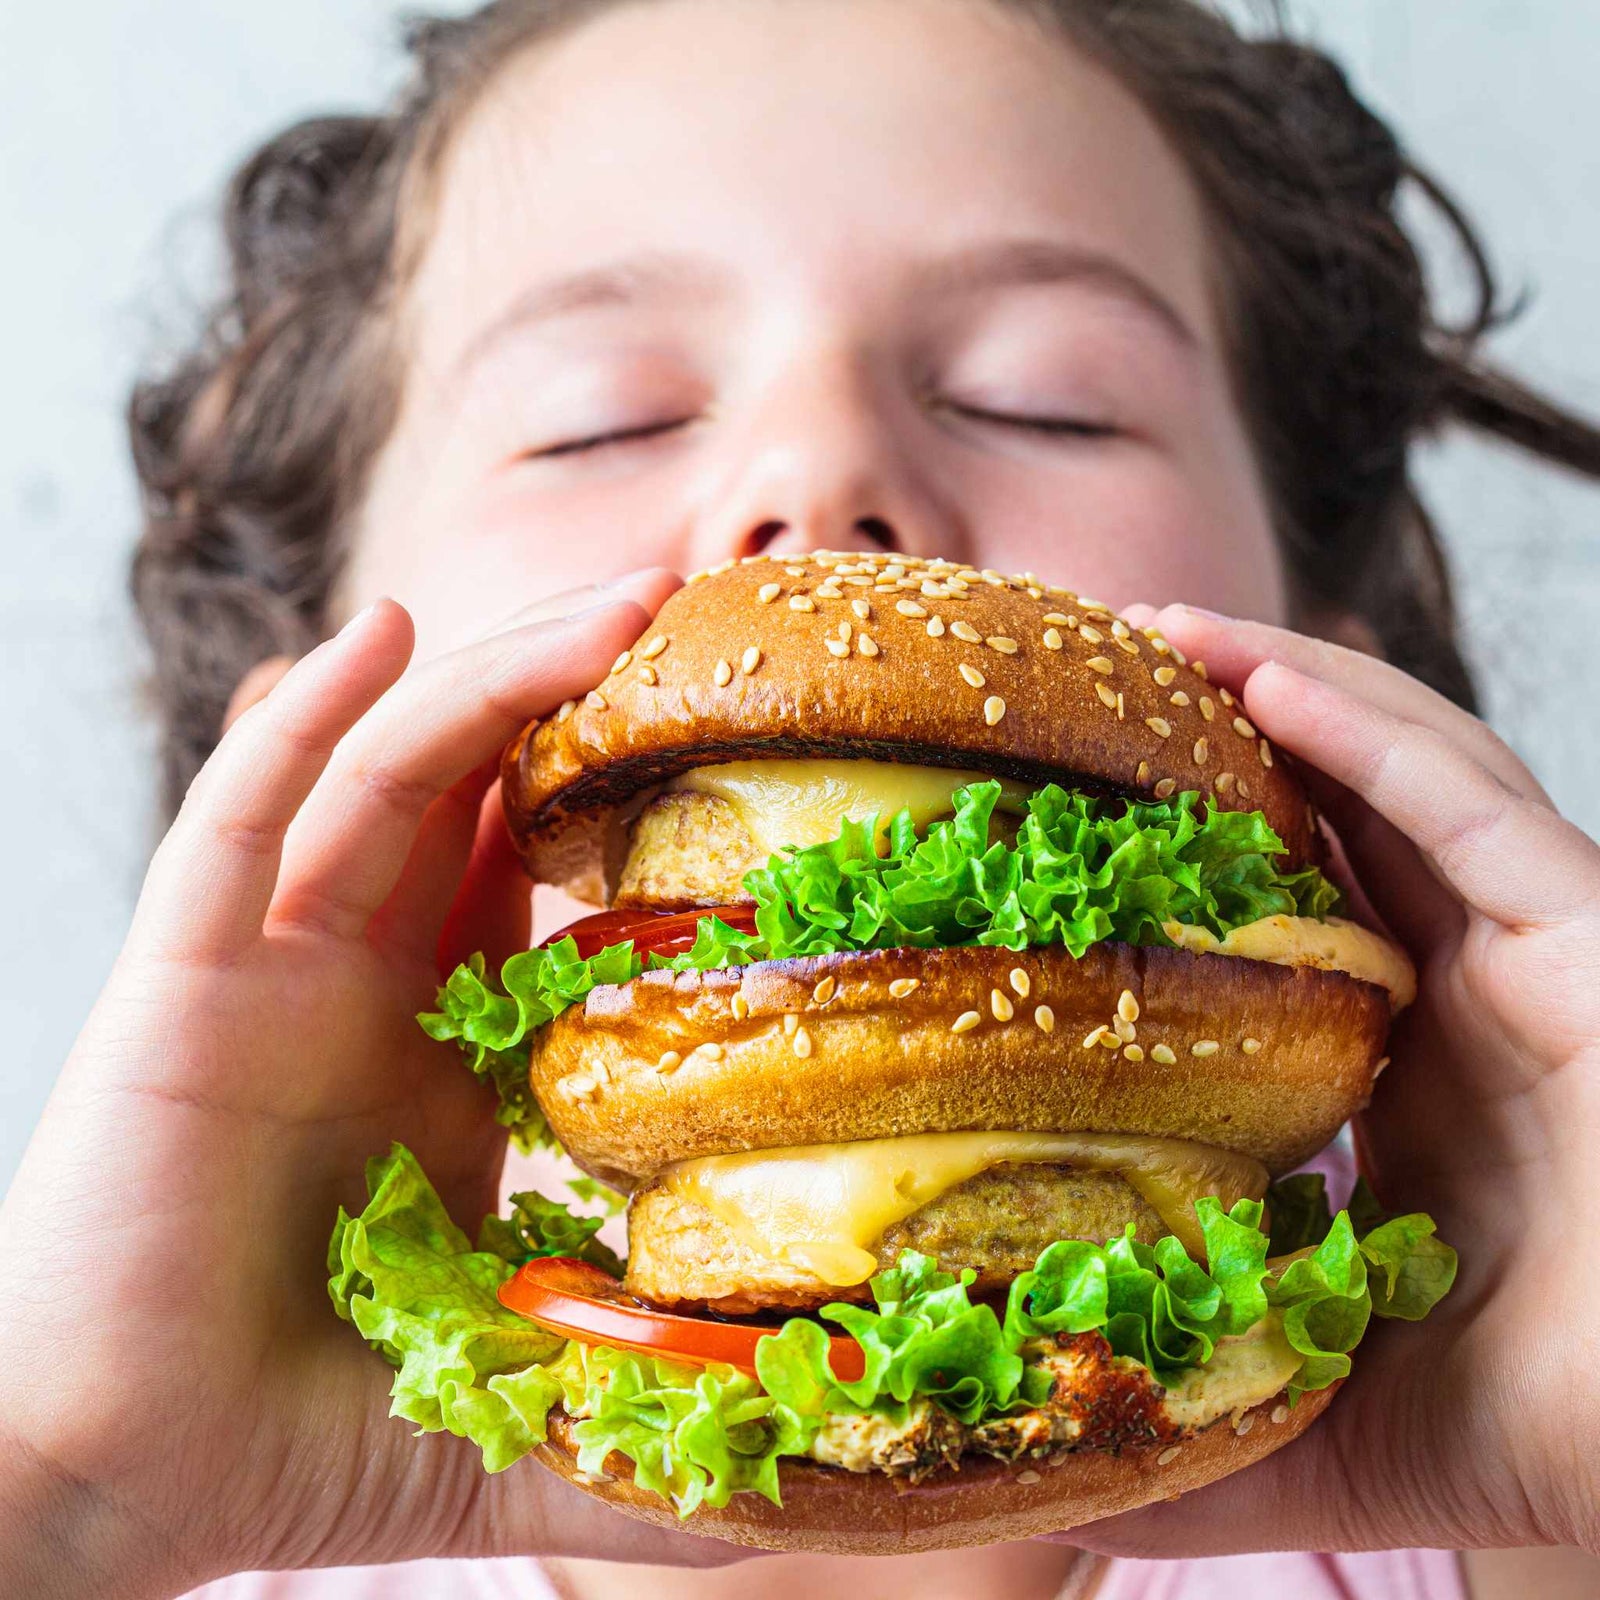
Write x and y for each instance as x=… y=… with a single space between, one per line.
x=985 y=1502
x=1245 y=1055
x=680 y=1254
x=862 y=656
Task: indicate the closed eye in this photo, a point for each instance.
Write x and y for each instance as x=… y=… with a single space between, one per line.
x=1055 y=427
x=600 y=441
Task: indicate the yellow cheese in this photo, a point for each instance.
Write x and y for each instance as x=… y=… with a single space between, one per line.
x=785 y=804
x=1335 y=945
x=821 y=1207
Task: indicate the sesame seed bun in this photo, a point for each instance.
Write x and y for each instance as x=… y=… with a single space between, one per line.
x=985 y=1502
x=1249 y=1056
x=883 y=658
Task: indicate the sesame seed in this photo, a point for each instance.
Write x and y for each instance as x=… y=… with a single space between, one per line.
x=1244 y=790
x=1045 y=1019
x=1207 y=710
x=1000 y=1005
x=1164 y=676
x=1280 y=1413
x=1020 y=982
x=1109 y=1041
x=1266 y=754
x=1202 y=749
x=1035 y=592
x=1168 y=1456
x=936 y=628
x=866 y=645
x=971 y=675
x=1128 y=1006
x=934 y=591
x=1056 y=619
x=790 y=1023
x=1119 y=628
x=998 y=641
x=1160 y=645
x=721 y=567
x=1250 y=1046
x=1177 y=654
x=1226 y=782
x=1107 y=694
x=825 y=990
x=1382 y=1062
x=1052 y=639
x=1030 y=1476
x=1126 y=646
x=654 y=648
x=1124 y=1029
x=768 y=592
x=1198 y=668
x=595 y=700
x=994 y=708
x=862 y=608
x=1093 y=606
x=710 y=1050
x=1163 y=1054
x=1204 y=1047
x=965 y=630
x=966 y=1022
x=581 y=1087
x=1226 y=698
x=843 y=631
x=739 y=1006
x=567 y=708
x=801 y=1043
x=837 y=647
x=802 y=602
x=1100 y=664
x=1072 y=622
x=1133 y=1052
x=669 y=1062
x=750 y=660
x=901 y=987
x=722 y=675
x=795 y=572
x=623 y=662
x=1122 y=710
x=1244 y=1424
x=1142 y=776
x=1180 y=699
x=1091 y=1040
x=1242 y=727
x=1165 y=789
x=1159 y=726
x=1091 y=635
x=910 y=608
x=647 y=676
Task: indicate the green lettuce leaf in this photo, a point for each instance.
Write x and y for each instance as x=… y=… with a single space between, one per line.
x=540 y=1227
x=1079 y=870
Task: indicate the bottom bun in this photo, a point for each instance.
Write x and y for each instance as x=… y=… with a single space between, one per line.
x=831 y=1511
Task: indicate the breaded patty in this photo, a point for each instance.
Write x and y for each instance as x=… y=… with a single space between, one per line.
x=687 y=850
x=997 y=1223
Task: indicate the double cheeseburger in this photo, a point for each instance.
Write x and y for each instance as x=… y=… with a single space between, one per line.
x=969 y=978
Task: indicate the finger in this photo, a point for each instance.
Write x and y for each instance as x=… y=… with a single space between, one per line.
x=212 y=880
x=1509 y=857
x=349 y=845
x=1139 y=614
x=1232 y=650
x=571 y=601
x=493 y=912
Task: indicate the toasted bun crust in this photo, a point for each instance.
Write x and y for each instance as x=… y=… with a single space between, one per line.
x=832 y=1511
x=1081 y=699
x=749 y=1081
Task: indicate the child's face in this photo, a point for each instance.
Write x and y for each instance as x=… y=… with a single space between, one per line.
x=709 y=277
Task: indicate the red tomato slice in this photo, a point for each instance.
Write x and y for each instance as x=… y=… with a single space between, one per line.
x=582 y=1302
x=663 y=933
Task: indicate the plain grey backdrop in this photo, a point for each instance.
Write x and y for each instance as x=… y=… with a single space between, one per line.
x=119 y=121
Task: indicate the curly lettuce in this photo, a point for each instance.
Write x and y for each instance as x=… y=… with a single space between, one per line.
x=411 y=1283
x=1079 y=870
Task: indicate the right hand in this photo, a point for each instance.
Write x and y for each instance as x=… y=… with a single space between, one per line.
x=178 y=1400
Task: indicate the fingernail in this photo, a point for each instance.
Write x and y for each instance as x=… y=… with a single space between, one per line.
x=362 y=616
x=1210 y=616
x=593 y=611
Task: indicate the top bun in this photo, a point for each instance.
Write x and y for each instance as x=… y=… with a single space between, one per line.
x=884 y=657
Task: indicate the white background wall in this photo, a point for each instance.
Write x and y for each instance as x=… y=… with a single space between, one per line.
x=119 y=120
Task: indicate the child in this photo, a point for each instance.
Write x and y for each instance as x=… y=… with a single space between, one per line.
x=1105 y=292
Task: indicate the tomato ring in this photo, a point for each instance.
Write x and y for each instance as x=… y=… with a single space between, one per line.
x=578 y=1300
x=662 y=933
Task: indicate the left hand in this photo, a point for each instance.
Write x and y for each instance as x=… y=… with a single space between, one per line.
x=1471 y=1429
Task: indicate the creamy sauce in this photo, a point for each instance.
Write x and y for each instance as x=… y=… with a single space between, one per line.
x=822 y=1207
x=1336 y=945
x=793 y=804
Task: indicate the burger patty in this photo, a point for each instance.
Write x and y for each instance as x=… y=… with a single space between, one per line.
x=997 y=1223
x=687 y=850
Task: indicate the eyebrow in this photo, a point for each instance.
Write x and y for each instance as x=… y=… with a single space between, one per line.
x=1021 y=263
x=651 y=277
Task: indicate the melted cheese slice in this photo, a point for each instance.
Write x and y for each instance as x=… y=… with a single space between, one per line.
x=785 y=804
x=1336 y=945
x=822 y=1207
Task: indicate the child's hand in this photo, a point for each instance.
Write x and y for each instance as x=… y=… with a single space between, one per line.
x=177 y=1398
x=1474 y=1428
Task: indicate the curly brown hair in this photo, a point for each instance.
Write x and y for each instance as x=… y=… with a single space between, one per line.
x=254 y=451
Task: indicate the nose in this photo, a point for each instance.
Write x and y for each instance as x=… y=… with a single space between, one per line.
x=824 y=460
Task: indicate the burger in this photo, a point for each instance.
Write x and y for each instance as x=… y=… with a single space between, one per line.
x=969 y=983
